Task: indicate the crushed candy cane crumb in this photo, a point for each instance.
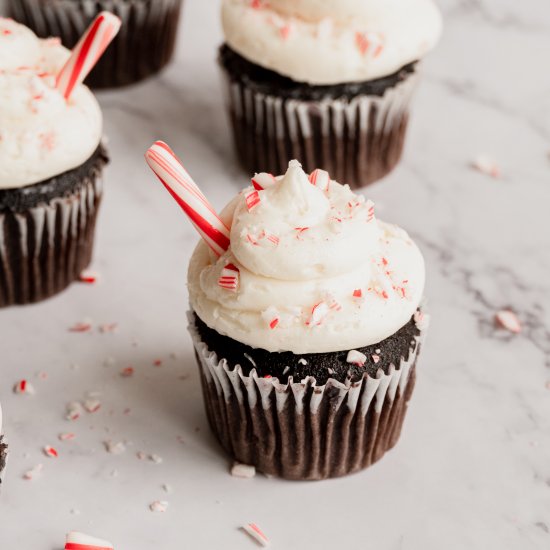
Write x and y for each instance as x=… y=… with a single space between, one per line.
x=252 y=530
x=508 y=320
x=24 y=387
x=50 y=452
x=115 y=447
x=74 y=411
x=159 y=506
x=33 y=473
x=92 y=405
x=243 y=471
x=486 y=165
x=356 y=358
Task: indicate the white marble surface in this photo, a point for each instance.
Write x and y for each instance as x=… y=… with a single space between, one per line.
x=472 y=469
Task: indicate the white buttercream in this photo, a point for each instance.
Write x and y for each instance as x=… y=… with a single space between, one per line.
x=326 y=246
x=332 y=41
x=41 y=134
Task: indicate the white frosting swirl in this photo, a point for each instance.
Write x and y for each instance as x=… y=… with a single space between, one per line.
x=317 y=271
x=41 y=134
x=331 y=41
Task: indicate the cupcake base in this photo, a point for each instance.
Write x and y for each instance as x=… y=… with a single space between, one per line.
x=47 y=232
x=355 y=131
x=144 y=45
x=303 y=430
x=3 y=457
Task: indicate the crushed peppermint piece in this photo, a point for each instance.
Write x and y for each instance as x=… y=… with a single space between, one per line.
x=375 y=358
x=252 y=530
x=320 y=178
x=88 y=277
x=67 y=436
x=243 y=471
x=229 y=277
x=286 y=369
x=24 y=387
x=421 y=320
x=157 y=363
x=486 y=165
x=74 y=411
x=79 y=541
x=50 y=452
x=271 y=316
x=252 y=200
x=302 y=361
x=108 y=327
x=81 y=327
x=167 y=488
x=508 y=320
x=318 y=314
x=126 y=372
x=370 y=210
x=141 y=455
x=156 y=459
x=356 y=358
x=285 y=31
x=115 y=448
x=159 y=506
x=92 y=405
x=263 y=180
x=357 y=293
x=33 y=473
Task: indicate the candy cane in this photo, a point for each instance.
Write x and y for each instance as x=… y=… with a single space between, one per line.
x=263 y=180
x=80 y=541
x=169 y=170
x=320 y=178
x=87 y=52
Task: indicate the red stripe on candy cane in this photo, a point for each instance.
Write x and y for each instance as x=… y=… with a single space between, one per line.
x=172 y=174
x=320 y=178
x=87 y=52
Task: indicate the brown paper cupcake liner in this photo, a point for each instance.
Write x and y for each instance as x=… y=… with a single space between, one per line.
x=45 y=248
x=144 y=45
x=300 y=430
x=358 y=141
x=3 y=458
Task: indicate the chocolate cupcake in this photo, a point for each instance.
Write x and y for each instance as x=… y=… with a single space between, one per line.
x=3 y=450
x=51 y=163
x=327 y=82
x=143 y=47
x=307 y=329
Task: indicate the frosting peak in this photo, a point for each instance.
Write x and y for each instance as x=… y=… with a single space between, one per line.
x=310 y=269
x=41 y=134
x=331 y=41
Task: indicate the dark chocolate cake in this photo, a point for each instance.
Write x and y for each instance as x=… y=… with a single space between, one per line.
x=271 y=83
x=321 y=366
x=3 y=456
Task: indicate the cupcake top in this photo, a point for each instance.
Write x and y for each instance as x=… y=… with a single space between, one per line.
x=324 y=42
x=41 y=133
x=309 y=270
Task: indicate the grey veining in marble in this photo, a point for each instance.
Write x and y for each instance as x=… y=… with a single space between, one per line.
x=472 y=469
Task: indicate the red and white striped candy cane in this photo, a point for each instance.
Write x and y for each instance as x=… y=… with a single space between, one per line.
x=87 y=52
x=170 y=171
x=80 y=541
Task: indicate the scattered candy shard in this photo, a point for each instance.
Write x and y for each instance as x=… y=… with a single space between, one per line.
x=80 y=541
x=356 y=358
x=24 y=387
x=158 y=506
x=33 y=473
x=508 y=320
x=50 y=452
x=486 y=165
x=115 y=447
x=252 y=530
x=243 y=471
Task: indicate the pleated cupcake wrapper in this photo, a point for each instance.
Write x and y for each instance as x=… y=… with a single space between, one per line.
x=45 y=248
x=300 y=430
x=3 y=458
x=144 y=45
x=358 y=141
